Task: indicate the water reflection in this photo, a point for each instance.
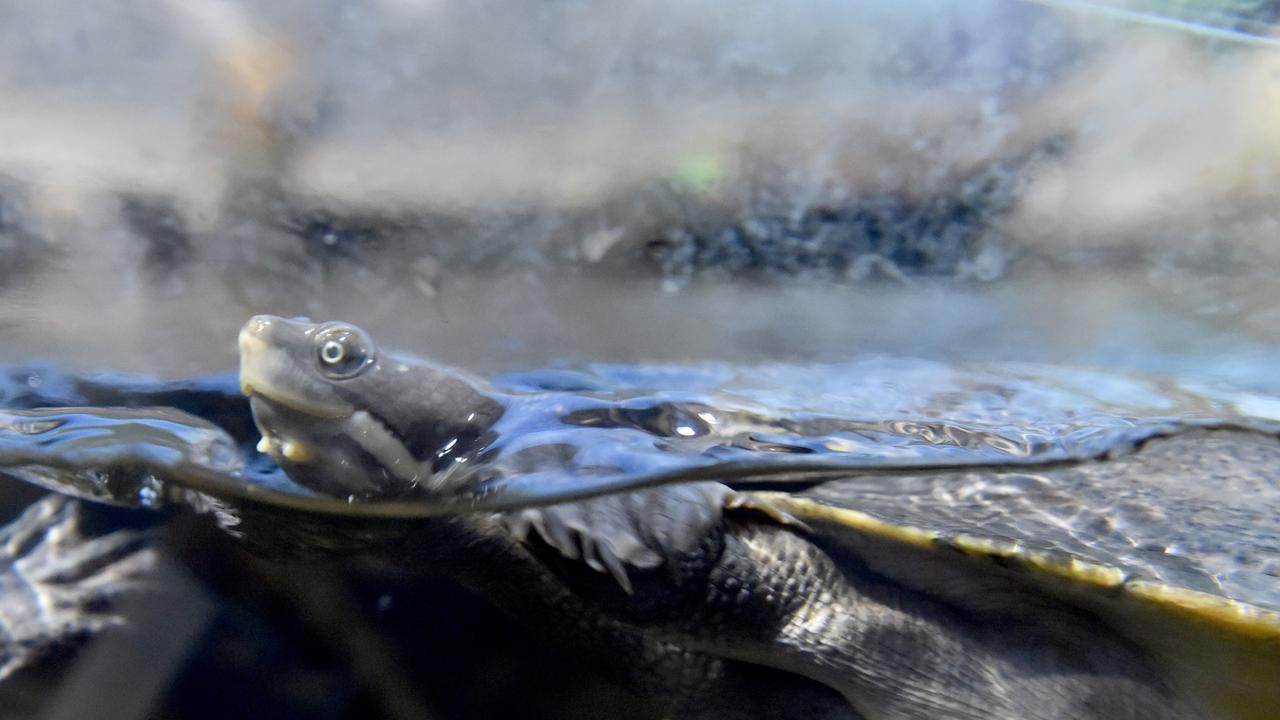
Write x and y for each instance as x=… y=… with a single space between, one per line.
x=736 y=424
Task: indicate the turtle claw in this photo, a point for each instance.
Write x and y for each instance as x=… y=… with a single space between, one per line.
x=617 y=570
x=98 y=561
x=21 y=537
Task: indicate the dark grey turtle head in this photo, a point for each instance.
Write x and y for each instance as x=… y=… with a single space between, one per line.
x=345 y=419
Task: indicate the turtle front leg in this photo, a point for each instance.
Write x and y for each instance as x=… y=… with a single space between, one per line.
x=640 y=550
x=57 y=582
x=640 y=564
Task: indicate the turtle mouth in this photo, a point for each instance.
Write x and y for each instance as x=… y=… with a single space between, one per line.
x=269 y=372
x=285 y=430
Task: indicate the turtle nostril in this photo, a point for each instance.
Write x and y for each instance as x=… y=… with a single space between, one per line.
x=258 y=324
x=257 y=328
x=253 y=336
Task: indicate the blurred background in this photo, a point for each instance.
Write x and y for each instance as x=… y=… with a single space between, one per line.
x=503 y=185
x=499 y=186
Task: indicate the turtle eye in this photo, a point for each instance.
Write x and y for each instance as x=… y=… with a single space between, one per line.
x=343 y=351
x=332 y=352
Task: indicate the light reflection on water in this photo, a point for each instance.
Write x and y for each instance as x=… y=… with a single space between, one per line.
x=566 y=433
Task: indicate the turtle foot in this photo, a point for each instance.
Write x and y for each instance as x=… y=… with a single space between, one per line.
x=58 y=583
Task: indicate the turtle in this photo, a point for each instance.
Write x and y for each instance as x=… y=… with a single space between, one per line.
x=734 y=563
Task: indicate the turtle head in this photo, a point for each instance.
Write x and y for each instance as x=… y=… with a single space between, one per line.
x=342 y=418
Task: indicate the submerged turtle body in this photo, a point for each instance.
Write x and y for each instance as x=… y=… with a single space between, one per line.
x=1112 y=589
x=973 y=552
